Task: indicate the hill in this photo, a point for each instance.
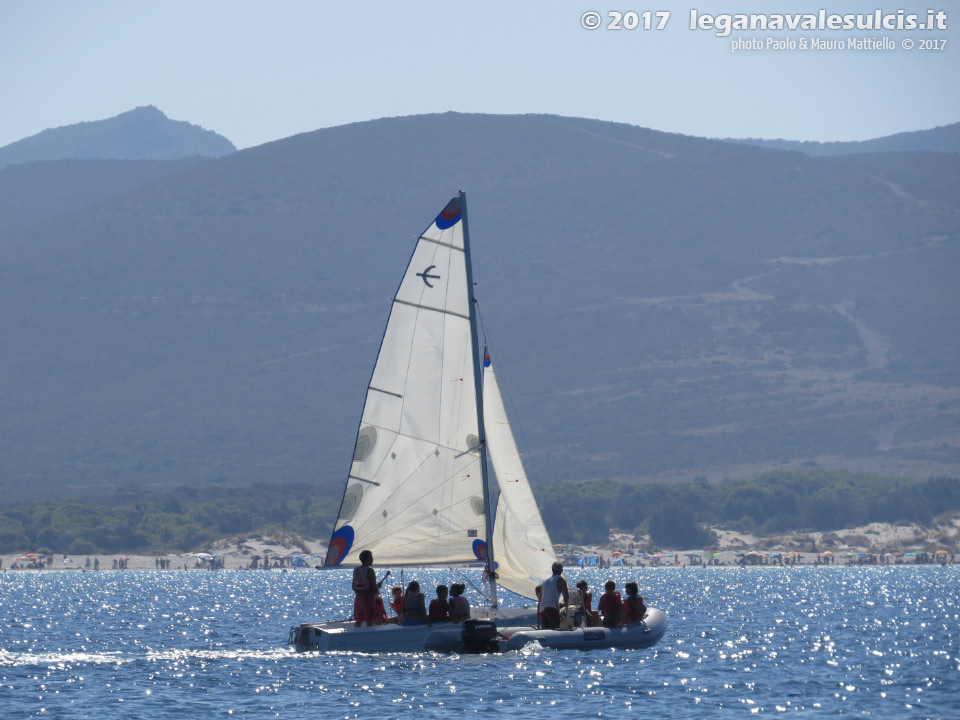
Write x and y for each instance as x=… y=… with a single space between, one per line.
x=945 y=138
x=36 y=192
x=662 y=307
x=144 y=133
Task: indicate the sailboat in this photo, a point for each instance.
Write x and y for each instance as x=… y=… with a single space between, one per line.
x=418 y=490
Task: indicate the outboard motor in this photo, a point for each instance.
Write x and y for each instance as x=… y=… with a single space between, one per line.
x=299 y=637
x=479 y=636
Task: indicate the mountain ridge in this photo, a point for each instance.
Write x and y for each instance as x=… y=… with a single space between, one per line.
x=661 y=307
x=943 y=138
x=143 y=133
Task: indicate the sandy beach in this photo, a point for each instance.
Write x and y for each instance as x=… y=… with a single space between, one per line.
x=877 y=542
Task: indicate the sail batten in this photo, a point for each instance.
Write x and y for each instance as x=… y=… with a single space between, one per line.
x=429 y=307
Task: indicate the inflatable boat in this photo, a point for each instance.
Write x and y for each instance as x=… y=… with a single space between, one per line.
x=342 y=636
x=480 y=636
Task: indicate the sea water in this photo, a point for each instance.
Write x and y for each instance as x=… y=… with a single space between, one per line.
x=878 y=642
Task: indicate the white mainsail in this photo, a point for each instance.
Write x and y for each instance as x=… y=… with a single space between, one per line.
x=415 y=491
x=522 y=548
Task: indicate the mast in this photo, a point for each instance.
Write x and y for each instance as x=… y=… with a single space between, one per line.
x=477 y=380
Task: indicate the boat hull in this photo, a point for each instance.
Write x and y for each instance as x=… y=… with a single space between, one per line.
x=637 y=635
x=342 y=636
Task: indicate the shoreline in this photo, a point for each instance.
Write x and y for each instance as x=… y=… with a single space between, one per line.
x=881 y=544
x=142 y=563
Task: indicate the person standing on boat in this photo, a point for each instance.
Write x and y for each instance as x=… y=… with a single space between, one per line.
x=365 y=586
x=590 y=616
x=553 y=589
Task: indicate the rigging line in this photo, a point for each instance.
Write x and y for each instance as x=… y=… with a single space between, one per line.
x=483 y=325
x=477 y=589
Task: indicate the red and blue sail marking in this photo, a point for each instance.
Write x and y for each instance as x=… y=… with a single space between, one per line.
x=340 y=545
x=450 y=215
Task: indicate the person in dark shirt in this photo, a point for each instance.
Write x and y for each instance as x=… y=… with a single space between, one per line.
x=439 y=607
x=633 y=607
x=459 y=605
x=610 y=605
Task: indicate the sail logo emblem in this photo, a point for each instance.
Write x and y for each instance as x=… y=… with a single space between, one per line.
x=450 y=215
x=427 y=277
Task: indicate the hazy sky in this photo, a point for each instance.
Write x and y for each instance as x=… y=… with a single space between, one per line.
x=261 y=71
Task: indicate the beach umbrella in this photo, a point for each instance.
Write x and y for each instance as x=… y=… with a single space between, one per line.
x=616 y=553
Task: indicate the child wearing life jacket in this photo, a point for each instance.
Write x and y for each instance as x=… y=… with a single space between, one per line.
x=366 y=587
x=633 y=607
x=590 y=616
x=439 y=609
x=396 y=604
x=414 y=611
x=610 y=605
x=458 y=604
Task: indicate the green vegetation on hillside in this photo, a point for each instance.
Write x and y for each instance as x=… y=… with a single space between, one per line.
x=674 y=514
x=774 y=502
x=185 y=520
